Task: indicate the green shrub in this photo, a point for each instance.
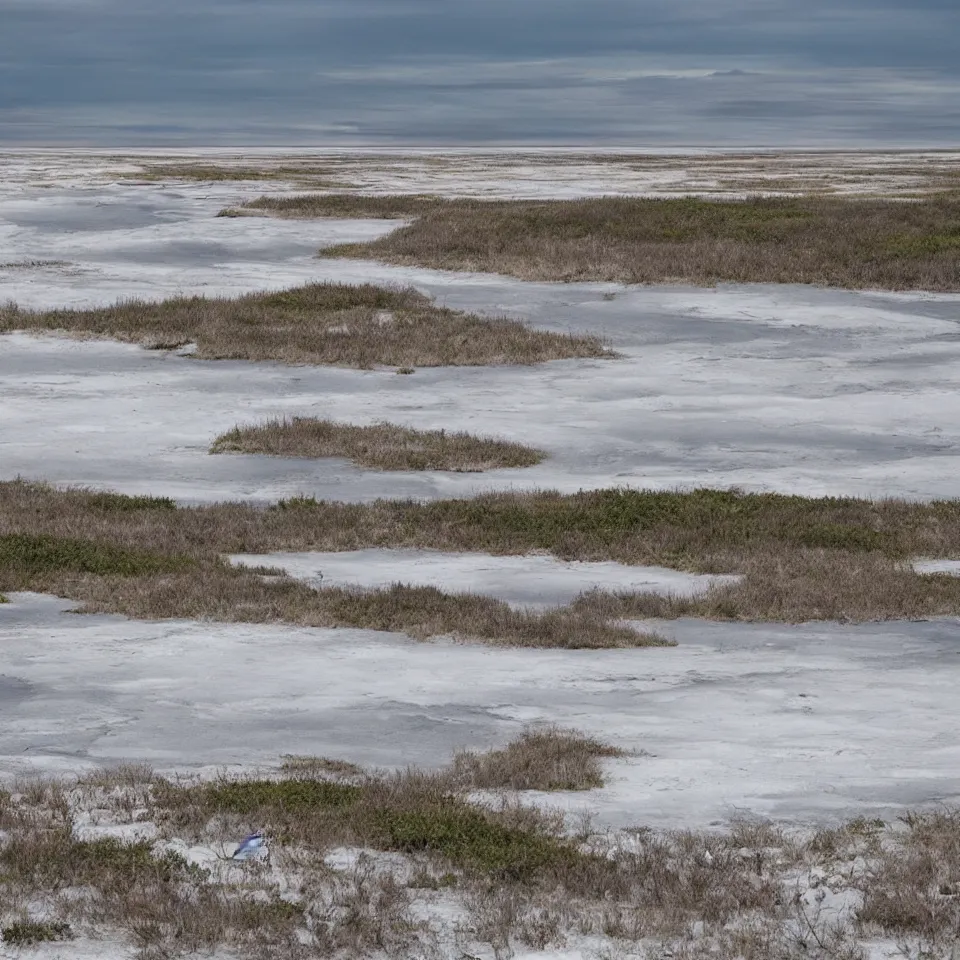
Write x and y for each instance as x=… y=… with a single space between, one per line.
x=30 y=555
x=29 y=932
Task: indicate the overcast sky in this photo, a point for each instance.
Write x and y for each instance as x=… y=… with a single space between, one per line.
x=474 y=72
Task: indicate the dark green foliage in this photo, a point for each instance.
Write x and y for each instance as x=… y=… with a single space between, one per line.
x=121 y=502
x=30 y=555
x=288 y=796
x=472 y=839
x=30 y=932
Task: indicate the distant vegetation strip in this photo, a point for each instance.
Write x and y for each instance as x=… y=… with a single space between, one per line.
x=798 y=558
x=828 y=241
x=380 y=446
x=323 y=323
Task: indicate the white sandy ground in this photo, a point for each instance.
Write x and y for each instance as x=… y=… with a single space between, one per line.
x=937 y=566
x=792 y=389
x=809 y=723
x=529 y=581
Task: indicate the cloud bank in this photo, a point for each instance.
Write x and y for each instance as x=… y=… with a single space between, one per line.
x=473 y=72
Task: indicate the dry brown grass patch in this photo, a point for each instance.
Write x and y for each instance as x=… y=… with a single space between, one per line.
x=382 y=446
x=548 y=759
x=346 y=206
x=831 y=241
x=213 y=592
x=324 y=323
x=800 y=558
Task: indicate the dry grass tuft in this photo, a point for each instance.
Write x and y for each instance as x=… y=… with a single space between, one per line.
x=323 y=323
x=548 y=759
x=384 y=446
x=831 y=241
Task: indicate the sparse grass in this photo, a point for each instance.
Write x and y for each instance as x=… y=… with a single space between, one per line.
x=294 y=765
x=323 y=323
x=548 y=759
x=830 y=241
x=914 y=889
x=383 y=446
x=514 y=873
x=799 y=558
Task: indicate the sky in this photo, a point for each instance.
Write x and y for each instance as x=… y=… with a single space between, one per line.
x=636 y=73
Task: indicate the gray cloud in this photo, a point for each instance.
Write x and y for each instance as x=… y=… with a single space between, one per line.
x=724 y=72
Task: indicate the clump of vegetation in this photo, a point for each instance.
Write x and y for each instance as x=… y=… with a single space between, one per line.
x=117 y=501
x=548 y=759
x=346 y=206
x=28 y=933
x=830 y=241
x=323 y=323
x=382 y=446
x=408 y=813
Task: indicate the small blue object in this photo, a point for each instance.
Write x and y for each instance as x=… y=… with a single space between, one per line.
x=251 y=847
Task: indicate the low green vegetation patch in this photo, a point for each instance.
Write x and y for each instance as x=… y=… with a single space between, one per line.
x=117 y=501
x=323 y=323
x=55 y=860
x=382 y=446
x=24 y=554
x=831 y=241
x=28 y=933
x=409 y=813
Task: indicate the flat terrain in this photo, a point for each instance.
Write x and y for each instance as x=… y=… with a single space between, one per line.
x=801 y=724
x=751 y=692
